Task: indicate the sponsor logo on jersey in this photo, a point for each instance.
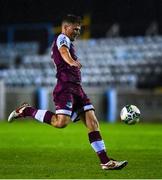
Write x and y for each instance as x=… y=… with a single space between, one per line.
x=69 y=104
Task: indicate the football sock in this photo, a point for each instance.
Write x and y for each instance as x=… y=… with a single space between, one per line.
x=98 y=145
x=43 y=116
x=29 y=111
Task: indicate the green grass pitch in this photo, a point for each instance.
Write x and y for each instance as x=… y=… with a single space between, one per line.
x=29 y=149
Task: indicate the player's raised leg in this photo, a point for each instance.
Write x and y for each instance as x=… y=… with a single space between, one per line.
x=98 y=144
x=44 y=116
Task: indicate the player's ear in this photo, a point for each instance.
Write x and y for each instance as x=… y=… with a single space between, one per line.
x=65 y=25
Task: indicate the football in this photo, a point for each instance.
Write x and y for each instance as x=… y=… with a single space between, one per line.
x=130 y=114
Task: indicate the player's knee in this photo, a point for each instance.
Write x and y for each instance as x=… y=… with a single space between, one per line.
x=60 y=125
x=62 y=122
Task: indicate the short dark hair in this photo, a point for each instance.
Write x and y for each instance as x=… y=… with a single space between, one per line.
x=71 y=18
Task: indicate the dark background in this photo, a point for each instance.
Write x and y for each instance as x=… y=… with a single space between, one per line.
x=133 y=16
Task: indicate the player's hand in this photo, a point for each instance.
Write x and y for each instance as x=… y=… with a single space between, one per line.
x=76 y=64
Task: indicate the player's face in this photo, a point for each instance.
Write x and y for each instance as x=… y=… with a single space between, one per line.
x=73 y=31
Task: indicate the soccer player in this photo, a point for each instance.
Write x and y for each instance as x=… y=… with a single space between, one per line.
x=71 y=102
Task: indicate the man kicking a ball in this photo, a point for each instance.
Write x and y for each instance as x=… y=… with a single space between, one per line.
x=70 y=100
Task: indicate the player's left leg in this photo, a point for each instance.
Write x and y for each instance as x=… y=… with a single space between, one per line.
x=97 y=142
x=94 y=135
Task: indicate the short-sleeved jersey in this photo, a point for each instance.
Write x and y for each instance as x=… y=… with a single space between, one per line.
x=65 y=72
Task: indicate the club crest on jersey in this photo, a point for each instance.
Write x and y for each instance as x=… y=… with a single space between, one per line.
x=63 y=41
x=69 y=104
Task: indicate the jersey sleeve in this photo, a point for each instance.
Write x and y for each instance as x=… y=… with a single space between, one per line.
x=63 y=40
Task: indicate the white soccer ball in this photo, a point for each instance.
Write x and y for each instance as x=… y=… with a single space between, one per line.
x=130 y=114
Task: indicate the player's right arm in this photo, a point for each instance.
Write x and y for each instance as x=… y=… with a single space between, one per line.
x=63 y=44
x=64 y=51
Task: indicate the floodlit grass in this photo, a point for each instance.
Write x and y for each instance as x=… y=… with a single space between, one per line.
x=29 y=149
